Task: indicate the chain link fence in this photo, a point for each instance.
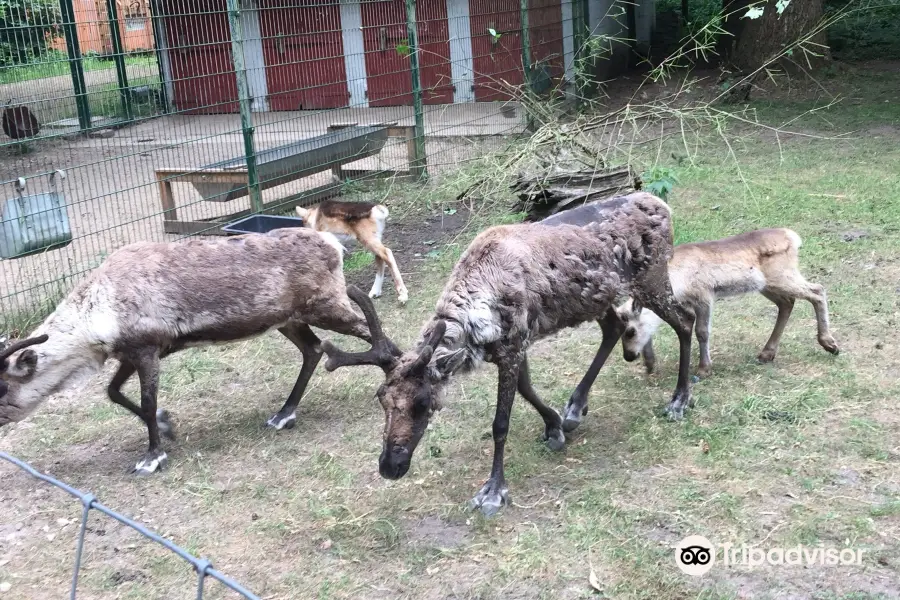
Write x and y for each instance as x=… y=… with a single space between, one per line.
x=152 y=120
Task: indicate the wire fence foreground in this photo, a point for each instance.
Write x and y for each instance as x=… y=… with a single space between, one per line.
x=203 y=567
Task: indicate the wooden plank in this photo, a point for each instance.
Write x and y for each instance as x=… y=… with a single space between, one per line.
x=214 y=226
x=167 y=199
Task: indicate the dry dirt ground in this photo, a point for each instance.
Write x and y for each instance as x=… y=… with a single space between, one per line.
x=802 y=451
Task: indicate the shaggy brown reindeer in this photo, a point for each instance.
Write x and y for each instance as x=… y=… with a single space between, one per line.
x=764 y=261
x=149 y=300
x=513 y=285
x=365 y=222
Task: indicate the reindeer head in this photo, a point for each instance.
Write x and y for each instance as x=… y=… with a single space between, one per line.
x=640 y=325
x=409 y=394
x=14 y=371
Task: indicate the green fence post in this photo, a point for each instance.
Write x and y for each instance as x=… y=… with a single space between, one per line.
x=158 y=28
x=526 y=61
x=578 y=33
x=419 y=167
x=112 y=15
x=526 y=40
x=75 y=67
x=240 y=72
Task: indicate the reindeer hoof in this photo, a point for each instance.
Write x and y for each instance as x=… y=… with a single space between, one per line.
x=151 y=463
x=164 y=423
x=491 y=498
x=555 y=438
x=374 y=294
x=279 y=422
x=403 y=297
x=765 y=357
x=675 y=413
x=830 y=345
x=574 y=412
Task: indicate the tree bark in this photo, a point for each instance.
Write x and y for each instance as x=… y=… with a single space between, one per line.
x=761 y=40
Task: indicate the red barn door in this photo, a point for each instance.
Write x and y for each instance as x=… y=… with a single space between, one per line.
x=199 y=46
x=495 y=59
x=304 y=54
x=545 y=28
x=388 y=76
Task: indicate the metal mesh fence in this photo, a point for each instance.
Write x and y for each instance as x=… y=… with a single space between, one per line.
x=157 y=119
x=89 y=502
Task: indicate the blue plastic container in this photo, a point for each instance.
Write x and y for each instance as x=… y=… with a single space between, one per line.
x=262 y=224
x=34 y=223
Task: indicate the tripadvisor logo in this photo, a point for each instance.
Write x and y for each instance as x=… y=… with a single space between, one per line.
x=695 y=555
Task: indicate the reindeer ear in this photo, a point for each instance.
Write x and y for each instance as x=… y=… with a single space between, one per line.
x=26 y=363
x=448 y=361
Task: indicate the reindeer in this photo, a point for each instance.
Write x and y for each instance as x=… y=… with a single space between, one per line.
x=764 y=261
x=514 y=285
x=365 y=222
x=149 y=300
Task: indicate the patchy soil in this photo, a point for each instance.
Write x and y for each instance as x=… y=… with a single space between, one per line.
x=414 y=239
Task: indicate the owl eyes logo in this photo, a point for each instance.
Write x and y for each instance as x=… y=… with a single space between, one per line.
x=695 y=555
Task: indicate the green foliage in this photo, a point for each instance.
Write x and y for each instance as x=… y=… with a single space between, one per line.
x=25 y=28
x=659 y=181
x=700 y=11
x=403 y=48
x=53 y=63
x=872 y=31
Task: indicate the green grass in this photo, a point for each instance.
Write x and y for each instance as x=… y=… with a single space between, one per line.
x=803 y=450
x=55 y=64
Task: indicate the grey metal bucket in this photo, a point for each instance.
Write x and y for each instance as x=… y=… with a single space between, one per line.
x=34 y=223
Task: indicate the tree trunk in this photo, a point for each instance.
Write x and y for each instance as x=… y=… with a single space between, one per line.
x=761 y=40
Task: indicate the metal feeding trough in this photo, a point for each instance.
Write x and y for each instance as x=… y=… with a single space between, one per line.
x=262 y=224
x=34 y=223
x=282 y=164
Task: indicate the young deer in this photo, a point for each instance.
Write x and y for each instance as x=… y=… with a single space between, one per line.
x=514 y=285
x=365 y=222
x=148 y=300
x=764 y=261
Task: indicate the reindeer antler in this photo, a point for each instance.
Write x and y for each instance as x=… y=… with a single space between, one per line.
x=13 y=348
x=384 y=352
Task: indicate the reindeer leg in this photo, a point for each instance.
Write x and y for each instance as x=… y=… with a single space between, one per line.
x=311 y=347
x=147 y=364
x=682 y=321
x=702 y=327
x=577 y=406
x=553 y=433
x=114 y=391
x=649 y=356
x=380 y=268
x=384 y=253
x=785 y=306
x=494 y=494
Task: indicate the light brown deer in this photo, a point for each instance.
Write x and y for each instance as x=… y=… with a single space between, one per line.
x=764 y=261
x=364 y=221
x=148 y=300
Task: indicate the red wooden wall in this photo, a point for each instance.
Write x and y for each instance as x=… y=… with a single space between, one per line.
x=304 y=54
x=302 y=45
x=199 y=46
x=388 y=73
